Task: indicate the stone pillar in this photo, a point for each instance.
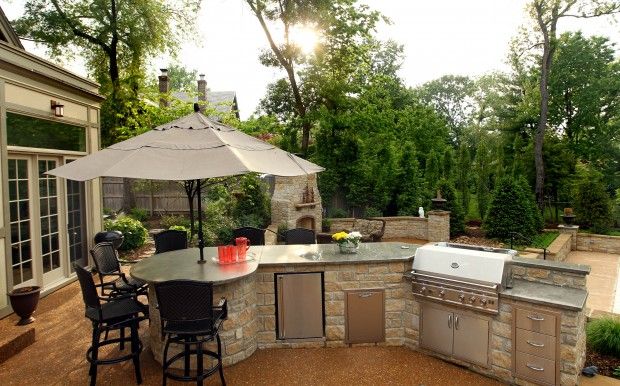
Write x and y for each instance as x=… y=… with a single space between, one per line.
x=572 y=231
x=202 y=92
x=438 y=225
x=164 y=87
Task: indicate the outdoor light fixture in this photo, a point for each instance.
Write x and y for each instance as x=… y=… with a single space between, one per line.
x=59 y=110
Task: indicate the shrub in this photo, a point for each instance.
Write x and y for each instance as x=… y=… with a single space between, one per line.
x=169 y=221
x=181 y=228
x=603 y=336
x=135 y=234
x=251 y=204
x=512 y=209
x=282 y=228
x=138 y=214
x=373 y=212
x=218 y=224
x=457 y=215
x=339 y=213
x=593 y=205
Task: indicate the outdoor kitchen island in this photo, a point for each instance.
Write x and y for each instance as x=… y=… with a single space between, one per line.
x=351 y=285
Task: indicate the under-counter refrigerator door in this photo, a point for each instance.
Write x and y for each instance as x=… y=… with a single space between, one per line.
x=300 y=305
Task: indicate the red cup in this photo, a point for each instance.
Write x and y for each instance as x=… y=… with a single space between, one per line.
x=231 y=253
x=220 y=253
x=243 y=244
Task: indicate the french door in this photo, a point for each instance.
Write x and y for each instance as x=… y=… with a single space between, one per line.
x=47 y=221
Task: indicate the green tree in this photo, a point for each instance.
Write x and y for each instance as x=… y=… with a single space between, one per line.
x=457 y=215
x=511 y=210
x=593 y=205
x=410 y=190
x=431 y=171
x=115 y=37
x=482 y=166
x=448 y=164
x=463 y=175
x=345 y=26
x=546 y=15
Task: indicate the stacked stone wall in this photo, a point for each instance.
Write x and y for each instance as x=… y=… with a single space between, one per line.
x=550 y=275
x=598 y=243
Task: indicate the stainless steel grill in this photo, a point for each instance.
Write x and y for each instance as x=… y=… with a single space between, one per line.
x=464 y=275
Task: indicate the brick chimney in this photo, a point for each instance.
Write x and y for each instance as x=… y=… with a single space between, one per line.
x=164 y=87
x=202 y=92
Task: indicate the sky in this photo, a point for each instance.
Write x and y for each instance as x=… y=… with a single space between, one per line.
x=439 y=37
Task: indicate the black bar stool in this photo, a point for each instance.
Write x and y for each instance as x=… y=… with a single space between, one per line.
x=189 y=318
x=170 y=240
x=115 y=314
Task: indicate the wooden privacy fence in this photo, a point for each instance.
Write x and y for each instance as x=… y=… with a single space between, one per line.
x=166 y=197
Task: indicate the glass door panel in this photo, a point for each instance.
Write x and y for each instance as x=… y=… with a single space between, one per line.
x=76 y=223
x=20 y=206
x=48 y=208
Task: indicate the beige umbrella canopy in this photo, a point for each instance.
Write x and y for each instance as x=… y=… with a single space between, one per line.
x=189 y=148
x=193 y=147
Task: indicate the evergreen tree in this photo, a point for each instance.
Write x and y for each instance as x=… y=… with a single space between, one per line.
x=431 y=172
x=593 y=205
x=462 y=176
x=411 y=191
x=448 y=164
x=457 y=216
x=511 y=210
x=483 y=179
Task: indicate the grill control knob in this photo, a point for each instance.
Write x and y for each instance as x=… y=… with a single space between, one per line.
x=442 y=293
x=472 y=300
x=462 y=297
x=422 y=290
x=483 y=302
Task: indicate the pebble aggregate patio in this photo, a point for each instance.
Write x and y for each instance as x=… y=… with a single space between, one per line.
x=62 y=336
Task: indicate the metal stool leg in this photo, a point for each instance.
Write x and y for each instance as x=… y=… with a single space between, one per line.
x=135 y=351
x=95 y=354
x=219 y=358
x=199 y=364
x=186 y=348
x=165 y=359
x=122 y=336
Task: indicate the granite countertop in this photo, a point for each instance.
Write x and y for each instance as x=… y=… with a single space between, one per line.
x=546 y=294
x=330 y=254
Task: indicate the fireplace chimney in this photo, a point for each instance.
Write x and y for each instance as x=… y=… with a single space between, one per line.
x=164 y=87
x=202 y=91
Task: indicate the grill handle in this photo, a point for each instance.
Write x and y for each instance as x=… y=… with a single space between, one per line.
x=456 y=322
x=450 y=321
x=432 y=277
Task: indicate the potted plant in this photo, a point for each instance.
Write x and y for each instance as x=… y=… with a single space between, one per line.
x=326 y=225
x=568 y=216
x=24 y=301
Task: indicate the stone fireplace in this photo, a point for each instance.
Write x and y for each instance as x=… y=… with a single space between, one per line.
x=296 y=202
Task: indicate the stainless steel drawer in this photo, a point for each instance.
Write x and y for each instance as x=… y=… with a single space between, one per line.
x=535 y=343
x=535 y=368
x=536 y=321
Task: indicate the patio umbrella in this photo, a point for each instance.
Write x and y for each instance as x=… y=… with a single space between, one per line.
x=193 y=147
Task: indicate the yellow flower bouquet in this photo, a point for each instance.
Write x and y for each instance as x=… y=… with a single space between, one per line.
x=347 y=242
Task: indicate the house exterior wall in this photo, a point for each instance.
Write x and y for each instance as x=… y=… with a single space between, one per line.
x=28 y=84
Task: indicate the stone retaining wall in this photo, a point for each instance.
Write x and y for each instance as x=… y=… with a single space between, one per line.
x=435 y=227
x=560 y=247
x=598 y=243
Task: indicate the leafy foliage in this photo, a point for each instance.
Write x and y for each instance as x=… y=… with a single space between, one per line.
x=134 y=232
x=512 y=209
x=138 y=214
x=603 y=335
x=593 y=205
x=457 y=215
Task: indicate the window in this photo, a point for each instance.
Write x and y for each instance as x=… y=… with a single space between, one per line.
x=40 y=133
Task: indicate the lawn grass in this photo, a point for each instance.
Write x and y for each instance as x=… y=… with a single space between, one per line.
x=543 y=240
x=611 y=232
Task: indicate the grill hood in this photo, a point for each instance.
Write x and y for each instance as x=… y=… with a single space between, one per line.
x=465 y=262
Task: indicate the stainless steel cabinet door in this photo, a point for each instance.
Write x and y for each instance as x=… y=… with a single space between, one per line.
x=300 y=306
x=471 y=339
x=365 y=316
x=436 y=329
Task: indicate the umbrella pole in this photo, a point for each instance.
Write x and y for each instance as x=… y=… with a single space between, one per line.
x=201 y=242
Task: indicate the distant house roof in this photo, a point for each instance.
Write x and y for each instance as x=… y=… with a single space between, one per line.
x=221 y=101
x=7 y=34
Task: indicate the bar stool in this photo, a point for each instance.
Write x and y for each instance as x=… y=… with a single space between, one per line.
x=115 y=314
x=189 y=318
